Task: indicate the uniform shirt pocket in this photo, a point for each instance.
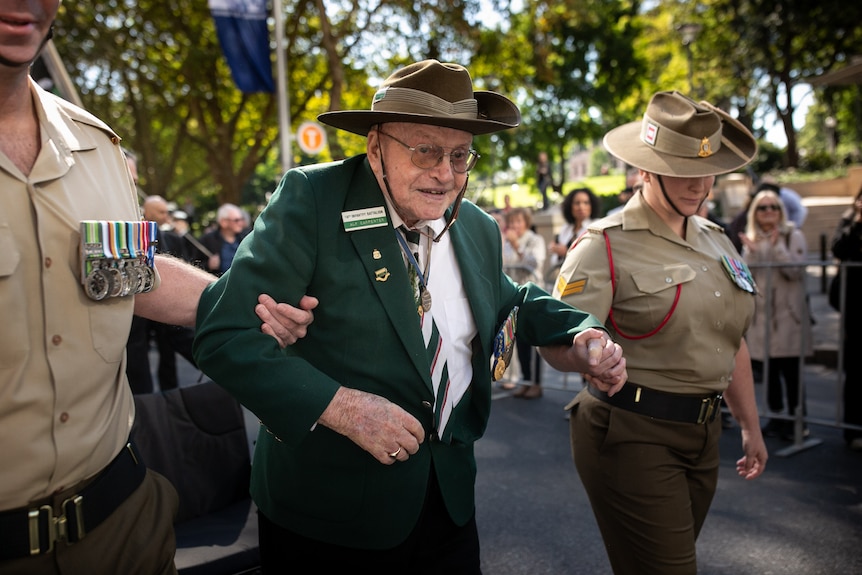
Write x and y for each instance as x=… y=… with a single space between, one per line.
x=10 y=255
x=659 y=278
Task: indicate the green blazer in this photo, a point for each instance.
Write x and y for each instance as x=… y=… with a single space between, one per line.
x=365 y=335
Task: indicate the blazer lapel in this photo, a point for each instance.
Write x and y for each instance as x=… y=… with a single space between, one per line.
x=380 y=253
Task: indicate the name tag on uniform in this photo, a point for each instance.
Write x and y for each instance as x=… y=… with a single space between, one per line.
x=364 y=219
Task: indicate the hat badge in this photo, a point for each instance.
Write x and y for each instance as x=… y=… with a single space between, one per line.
x=705 y=150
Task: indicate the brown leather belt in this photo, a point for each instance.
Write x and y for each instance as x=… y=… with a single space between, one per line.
x=662 y=405
x=34 y=530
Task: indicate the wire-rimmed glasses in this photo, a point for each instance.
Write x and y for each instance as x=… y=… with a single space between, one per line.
x=427 y=156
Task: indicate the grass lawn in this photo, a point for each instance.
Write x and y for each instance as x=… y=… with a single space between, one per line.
x=606 y=187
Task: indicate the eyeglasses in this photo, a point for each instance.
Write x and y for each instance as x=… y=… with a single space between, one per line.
x=427 y=156
x=768 y=207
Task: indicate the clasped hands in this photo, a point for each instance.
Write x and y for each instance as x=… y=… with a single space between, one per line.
x=595 y=355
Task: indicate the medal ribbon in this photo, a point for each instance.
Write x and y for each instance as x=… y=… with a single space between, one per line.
x=411 y=259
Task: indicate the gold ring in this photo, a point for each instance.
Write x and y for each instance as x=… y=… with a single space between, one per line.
x=395 y=453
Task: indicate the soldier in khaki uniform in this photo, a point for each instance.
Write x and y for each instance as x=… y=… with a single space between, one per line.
x=671 y=288
x=74 y=495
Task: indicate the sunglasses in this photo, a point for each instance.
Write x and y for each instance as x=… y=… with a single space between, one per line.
x=768 y=207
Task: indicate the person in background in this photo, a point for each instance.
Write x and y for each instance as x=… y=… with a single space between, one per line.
x=794 y=208
x=580 y=207
x=143 y=331
x=223 y=241
x=523 y=261
x=672 y=287
x=624 y=196
x=186 y=249
x=74 y=496
x=544 y=179
x=782 y=317
x=847 y=247
x=364 y=461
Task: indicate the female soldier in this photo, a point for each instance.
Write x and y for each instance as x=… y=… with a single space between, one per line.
x=672 y=286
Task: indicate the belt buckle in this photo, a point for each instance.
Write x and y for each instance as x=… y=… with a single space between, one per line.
x=56 y=528
x=707 y=408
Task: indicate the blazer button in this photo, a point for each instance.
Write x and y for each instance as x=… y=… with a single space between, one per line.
x=427 y=405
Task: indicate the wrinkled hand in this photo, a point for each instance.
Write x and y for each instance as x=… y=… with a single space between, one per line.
x=752 y=464
x=284 y=322
x=605 y=365
x=375 y=424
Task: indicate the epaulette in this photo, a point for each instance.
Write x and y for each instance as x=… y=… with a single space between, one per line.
x=82 y=116
x=602 y=224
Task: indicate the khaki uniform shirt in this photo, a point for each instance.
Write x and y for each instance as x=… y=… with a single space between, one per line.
x=65 y=405
x=693 y=353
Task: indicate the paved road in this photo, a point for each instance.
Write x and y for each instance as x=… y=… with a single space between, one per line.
x=802 y=517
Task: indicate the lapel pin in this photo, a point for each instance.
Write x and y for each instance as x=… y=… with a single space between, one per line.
x=381 y=275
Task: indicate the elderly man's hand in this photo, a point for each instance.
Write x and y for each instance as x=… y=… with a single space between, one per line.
x=284 y=322
x=595 y=355
x=380 y=427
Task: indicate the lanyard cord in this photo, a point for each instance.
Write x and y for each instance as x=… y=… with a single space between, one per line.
x=614 y=291
x=411 y=259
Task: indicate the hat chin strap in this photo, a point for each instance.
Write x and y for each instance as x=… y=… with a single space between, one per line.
x=673 y=205
x=666 y=197
x=456 y=205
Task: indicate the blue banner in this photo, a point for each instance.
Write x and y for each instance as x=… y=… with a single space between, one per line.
x=244 y=38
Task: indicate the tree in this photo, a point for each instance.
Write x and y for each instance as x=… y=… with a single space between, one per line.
x=783 y=42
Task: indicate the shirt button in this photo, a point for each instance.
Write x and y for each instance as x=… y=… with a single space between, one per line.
x=48 y=262
x=115 y=140
x=64 y=417
x=718 y=350
x=667 y=280
x=704 y=268
x=722 y=379
x=717 y=293
x=57 y=340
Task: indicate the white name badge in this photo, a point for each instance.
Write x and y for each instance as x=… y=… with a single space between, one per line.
x=364 y=219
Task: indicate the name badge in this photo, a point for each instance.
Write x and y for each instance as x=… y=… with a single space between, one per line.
x=364 y=219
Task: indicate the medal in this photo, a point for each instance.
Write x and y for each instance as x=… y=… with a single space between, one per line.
x=739 y=273
x=117 y=258
x=504 y=343
x=426 y=297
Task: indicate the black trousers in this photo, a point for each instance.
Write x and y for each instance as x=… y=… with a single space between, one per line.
x=530 y=361
x=435 y=546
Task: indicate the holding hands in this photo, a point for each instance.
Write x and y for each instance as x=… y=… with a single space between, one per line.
x=593 y=354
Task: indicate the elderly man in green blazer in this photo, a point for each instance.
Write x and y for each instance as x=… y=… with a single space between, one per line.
x=364 y=459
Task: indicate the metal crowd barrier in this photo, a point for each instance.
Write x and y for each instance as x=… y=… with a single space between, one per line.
x=800 y=419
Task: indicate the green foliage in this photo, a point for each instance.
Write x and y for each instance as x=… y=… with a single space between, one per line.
x=155 y=72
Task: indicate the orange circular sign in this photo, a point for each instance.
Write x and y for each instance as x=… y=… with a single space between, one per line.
x=311 y=138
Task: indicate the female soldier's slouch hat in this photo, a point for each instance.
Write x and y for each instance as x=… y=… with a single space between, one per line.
x=683 y=138
x=435 y=93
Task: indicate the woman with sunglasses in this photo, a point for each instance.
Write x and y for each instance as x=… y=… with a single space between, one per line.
x=781 y=330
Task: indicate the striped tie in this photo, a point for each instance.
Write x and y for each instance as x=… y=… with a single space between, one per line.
x=433 y=345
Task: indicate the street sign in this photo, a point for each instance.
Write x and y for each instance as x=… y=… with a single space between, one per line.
x=311 y=138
